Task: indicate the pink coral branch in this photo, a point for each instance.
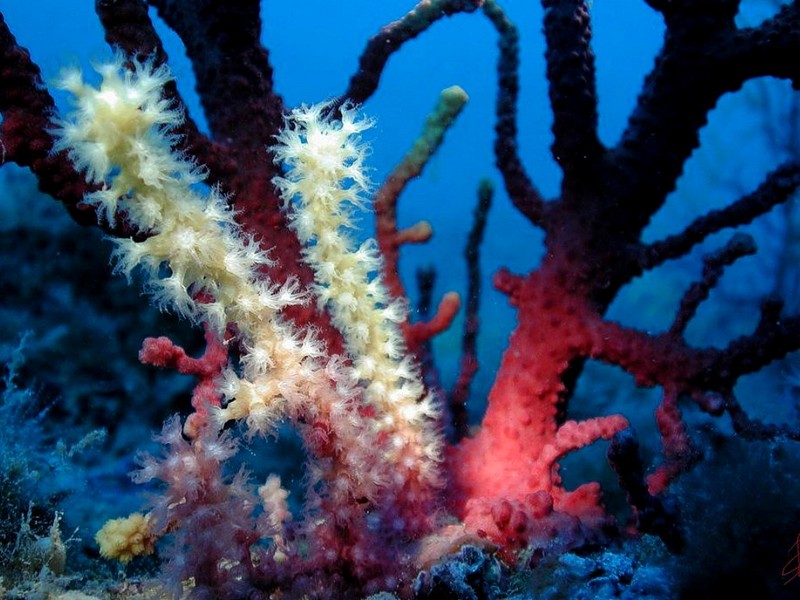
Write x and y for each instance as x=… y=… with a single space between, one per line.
x=164 y=353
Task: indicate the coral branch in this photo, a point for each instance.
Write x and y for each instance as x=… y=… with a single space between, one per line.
x=162 y=352
x=571 y=73
x=520 y=189
x=713 y=264
x=390 y=238
x=663 y=130
x=128 y=27
x=777 y=188
x=451 y=102
x=654 y=514
x=234 y=75
x=459 y=394
x=391 y=38
x=27 y=109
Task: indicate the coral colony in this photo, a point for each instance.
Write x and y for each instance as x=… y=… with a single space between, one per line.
x=248 y=232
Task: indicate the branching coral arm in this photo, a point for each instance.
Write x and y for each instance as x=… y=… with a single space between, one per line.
x=118 y=137
x=325 y=179
x=386 y=42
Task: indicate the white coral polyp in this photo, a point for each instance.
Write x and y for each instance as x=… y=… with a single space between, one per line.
x=325 y=182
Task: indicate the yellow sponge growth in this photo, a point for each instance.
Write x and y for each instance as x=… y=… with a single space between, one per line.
x=123 y=539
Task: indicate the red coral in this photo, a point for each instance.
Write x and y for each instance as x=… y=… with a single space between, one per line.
x=162 y=352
